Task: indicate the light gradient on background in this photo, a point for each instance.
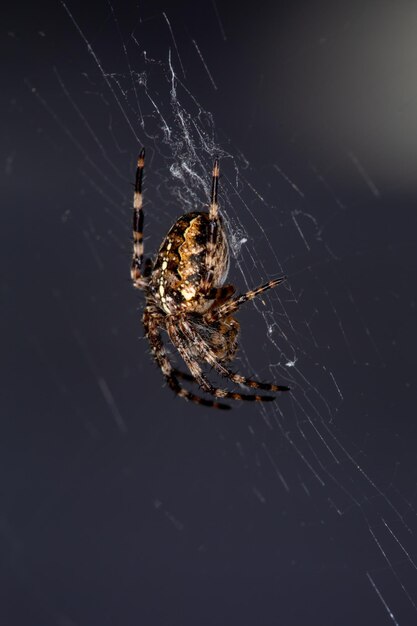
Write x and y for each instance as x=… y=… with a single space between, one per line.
x=121 y=504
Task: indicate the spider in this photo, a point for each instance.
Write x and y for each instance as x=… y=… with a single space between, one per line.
x=187 y=297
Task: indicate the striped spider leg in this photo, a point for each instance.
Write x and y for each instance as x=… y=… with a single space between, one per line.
x=186 y=296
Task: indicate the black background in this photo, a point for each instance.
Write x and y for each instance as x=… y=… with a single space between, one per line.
x=121 y=504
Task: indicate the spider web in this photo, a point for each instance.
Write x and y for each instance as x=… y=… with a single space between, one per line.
x=335 y=481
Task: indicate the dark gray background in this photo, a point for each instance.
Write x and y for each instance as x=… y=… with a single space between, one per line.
x=121 y=504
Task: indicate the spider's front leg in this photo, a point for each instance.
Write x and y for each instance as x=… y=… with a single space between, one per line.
x=139 y=278
x=220 y=295
x=178 y=334
x=211 y=354
x=231 y=305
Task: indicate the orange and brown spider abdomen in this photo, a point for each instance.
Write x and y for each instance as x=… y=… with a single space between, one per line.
x=192 y=261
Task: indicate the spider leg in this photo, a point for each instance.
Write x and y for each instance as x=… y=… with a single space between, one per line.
x=220 y=295
x=183 y=375
x=151 y=324
x=229 y=307
x=208 y=355
x=213 y=229
x=214 y=207
x=148 y=268
x=139 y=281
x=180 y=340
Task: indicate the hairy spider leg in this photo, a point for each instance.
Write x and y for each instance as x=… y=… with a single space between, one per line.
x=214 y=207
x=137 y=259
x=152 y=323
x=183 y=375
x=181 y=342
x=229 y=307
x=213 y=229
x=208 y=356
x=222 y=294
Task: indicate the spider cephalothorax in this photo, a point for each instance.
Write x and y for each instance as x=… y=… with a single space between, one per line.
x=187 y=297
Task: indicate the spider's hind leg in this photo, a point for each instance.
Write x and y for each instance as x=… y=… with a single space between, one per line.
x=139 y=279
x=214 y=207
x=214 y=227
